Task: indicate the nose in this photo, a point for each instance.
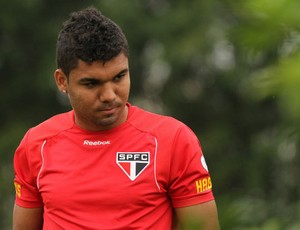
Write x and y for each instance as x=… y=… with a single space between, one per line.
x=107 y=93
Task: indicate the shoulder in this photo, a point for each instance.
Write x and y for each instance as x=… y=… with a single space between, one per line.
x=149 y=120
x=157 y=124
x=51 y=127
x=31 y=144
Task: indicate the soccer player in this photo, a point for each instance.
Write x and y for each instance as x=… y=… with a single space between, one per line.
x=107 y=164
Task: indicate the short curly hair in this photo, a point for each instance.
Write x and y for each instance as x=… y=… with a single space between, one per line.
x=89 y=36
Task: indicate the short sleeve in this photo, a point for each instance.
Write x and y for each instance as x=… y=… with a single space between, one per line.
x=190 y=181
x=27 y=194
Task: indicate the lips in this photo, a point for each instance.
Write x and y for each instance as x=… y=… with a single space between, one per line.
x=109 y=110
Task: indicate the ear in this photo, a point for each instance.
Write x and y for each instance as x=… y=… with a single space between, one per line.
x=61 y=80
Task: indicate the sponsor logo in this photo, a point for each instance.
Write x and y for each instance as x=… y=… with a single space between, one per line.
x=133 y=163
x=203 y=184
x=95 y=143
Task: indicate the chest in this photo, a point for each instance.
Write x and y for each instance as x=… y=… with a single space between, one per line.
x=99 y=171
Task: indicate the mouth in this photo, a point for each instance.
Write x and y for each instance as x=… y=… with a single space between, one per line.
x=109 y=110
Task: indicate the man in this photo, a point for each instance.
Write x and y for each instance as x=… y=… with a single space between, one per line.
x=107 y=164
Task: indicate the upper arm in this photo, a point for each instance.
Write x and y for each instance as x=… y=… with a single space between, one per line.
x=202 y=216
x=27 y=218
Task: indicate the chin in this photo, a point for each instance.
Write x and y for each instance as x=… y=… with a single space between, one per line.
x=106 y=122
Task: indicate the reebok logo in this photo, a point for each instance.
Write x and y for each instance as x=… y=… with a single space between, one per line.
x=95 y=143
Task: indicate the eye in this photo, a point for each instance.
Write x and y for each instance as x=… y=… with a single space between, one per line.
x=89 y=83
x=119 y=77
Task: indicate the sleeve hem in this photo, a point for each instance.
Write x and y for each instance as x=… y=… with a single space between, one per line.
x=193 y=201
x=28 y=204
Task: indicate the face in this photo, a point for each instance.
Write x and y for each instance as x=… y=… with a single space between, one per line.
x=98 y=92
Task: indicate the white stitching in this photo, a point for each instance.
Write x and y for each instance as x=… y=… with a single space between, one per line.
x=155 y=176
x=42 y=166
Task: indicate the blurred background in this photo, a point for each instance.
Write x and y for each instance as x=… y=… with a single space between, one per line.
x=229 y=69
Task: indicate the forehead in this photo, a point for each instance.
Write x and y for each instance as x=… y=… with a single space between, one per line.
x=100 y=69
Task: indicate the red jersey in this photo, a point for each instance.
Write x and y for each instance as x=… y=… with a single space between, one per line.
x=130 y=177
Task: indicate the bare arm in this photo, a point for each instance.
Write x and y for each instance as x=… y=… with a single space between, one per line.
x=27 y=218
x=199 y=217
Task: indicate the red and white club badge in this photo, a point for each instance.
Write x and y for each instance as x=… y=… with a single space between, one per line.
x=133 y=163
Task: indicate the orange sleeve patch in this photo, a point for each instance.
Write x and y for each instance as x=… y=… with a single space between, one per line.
x=203 y=184
x=18 y=189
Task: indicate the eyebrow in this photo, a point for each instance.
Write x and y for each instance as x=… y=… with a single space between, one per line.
x=95 y=80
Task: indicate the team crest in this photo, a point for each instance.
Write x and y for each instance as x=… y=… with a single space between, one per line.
x=133 y=163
